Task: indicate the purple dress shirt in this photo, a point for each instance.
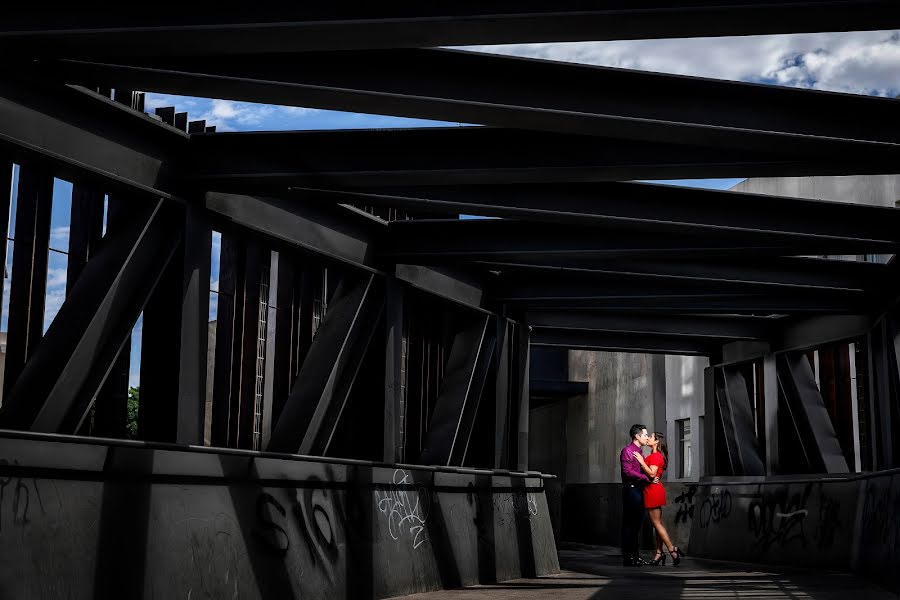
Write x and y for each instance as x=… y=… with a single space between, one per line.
x=631 y=468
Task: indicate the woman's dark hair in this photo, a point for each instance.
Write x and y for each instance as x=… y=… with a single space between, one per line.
x=662 y=447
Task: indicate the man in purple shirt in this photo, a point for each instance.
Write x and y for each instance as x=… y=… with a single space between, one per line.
x=633 y=482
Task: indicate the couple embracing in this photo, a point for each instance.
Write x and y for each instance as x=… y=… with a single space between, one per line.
x=642 y=493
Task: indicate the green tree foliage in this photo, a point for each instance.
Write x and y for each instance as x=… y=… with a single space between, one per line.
x=134 y=397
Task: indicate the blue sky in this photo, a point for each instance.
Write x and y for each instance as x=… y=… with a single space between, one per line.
x=863 y=63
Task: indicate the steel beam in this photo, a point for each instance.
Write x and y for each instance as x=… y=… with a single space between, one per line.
x=593 y=340
x=467 y=87
x=632 y=205
x=737 y=419
x=28 y=287
x=85 y=134
x=801 y=394
x=471 y=352
x=518 y=288
x=334 y=232
x=257 y=161
x=682 y=326
x=744 y=304
x=773 y=273
x=394 y=384
x=58 y=384
x=194 y=326
x=451 y=284
x=326 y=378
x=104 y=31
x=424 y=242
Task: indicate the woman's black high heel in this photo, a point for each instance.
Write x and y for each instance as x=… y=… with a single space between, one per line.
x=659 y=561
x=677 y=555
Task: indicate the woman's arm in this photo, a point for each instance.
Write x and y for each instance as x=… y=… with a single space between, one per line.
x=649 y=470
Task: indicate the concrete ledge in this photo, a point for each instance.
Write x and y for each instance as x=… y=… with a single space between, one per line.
x=134 y=520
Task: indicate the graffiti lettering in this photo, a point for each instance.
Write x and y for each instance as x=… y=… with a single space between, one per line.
x=715 y=507
x=21 y=496
x=829 y=520
x=404 y=509
x=273 y=536
x=521 y=507
x=685 y=503
x=776 y=519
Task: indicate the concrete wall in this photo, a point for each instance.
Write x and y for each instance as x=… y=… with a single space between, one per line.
x=850 y=524
x=621 y=392
x=684 y=400
x=80 y=519
x=880 y=190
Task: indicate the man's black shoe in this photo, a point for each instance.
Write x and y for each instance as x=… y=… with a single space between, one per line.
x=633 y=562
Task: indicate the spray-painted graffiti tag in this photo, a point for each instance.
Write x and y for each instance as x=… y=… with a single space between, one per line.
x=405 y=507
x=715 y=507
x=776 y=518
x=685 y=503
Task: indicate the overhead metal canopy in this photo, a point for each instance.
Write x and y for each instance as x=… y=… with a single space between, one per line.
x=102 y=31
x=636 y=262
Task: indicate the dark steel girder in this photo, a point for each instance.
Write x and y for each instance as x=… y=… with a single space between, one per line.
x=468 y=87
x=636 y=205
x=108 y=31
x=766 y=272
x=259 y=161
x=519 y=288
x=730 y=304
x=423 y=242
x=592 y=340
x=681 y=326
x=84 y=133
x=334 y=232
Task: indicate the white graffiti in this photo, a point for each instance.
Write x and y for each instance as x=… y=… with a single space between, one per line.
x=405 y=506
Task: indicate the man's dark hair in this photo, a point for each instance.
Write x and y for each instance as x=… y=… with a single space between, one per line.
x=636 y=429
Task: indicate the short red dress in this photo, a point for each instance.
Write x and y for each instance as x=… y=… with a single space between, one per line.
x=655 y=493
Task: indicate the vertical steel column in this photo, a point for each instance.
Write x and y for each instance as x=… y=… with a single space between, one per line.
x=160 y=359
x=248 y=349
x=29 y=269
x=770 y=413
x=524 y=397
x=502 y=395
x=880 y=373
x=281 y=323
x=393 y=374
x=229 y=331
x=194 y=326
x=6 y=173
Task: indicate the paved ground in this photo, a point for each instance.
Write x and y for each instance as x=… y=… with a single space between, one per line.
x=595 y=572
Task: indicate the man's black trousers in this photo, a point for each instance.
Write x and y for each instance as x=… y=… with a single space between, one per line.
x=633 y=513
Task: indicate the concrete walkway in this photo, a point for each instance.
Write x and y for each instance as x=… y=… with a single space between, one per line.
x=595 y=572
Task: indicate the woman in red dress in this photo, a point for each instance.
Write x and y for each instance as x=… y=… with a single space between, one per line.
x=655 y=497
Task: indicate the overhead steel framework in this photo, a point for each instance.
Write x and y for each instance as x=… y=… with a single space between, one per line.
x=350 y=293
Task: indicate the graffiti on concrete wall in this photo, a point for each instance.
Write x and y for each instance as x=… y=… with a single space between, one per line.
x=685 y=504
x=829 y=520
x=405 y=507
x=776 y=517
x=20 y=496
x=879 y=521
x=514 y=507
x=715 y=507
x=316 y=513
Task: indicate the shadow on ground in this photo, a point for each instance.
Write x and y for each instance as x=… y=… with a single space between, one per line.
x=596 y=572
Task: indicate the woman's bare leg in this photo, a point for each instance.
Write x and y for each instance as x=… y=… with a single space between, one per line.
x=662 y=536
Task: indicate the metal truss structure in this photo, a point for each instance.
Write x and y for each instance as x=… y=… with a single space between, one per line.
x=358 y=316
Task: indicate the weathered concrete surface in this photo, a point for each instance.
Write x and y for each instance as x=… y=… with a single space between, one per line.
x=83 y=519
x=596 y=573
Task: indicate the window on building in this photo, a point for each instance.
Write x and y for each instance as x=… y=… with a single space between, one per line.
x=684 y=444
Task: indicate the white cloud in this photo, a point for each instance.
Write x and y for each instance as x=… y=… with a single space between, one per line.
x=56 y=277
x=855 y=62
x=54 y=300
x=59 y=237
